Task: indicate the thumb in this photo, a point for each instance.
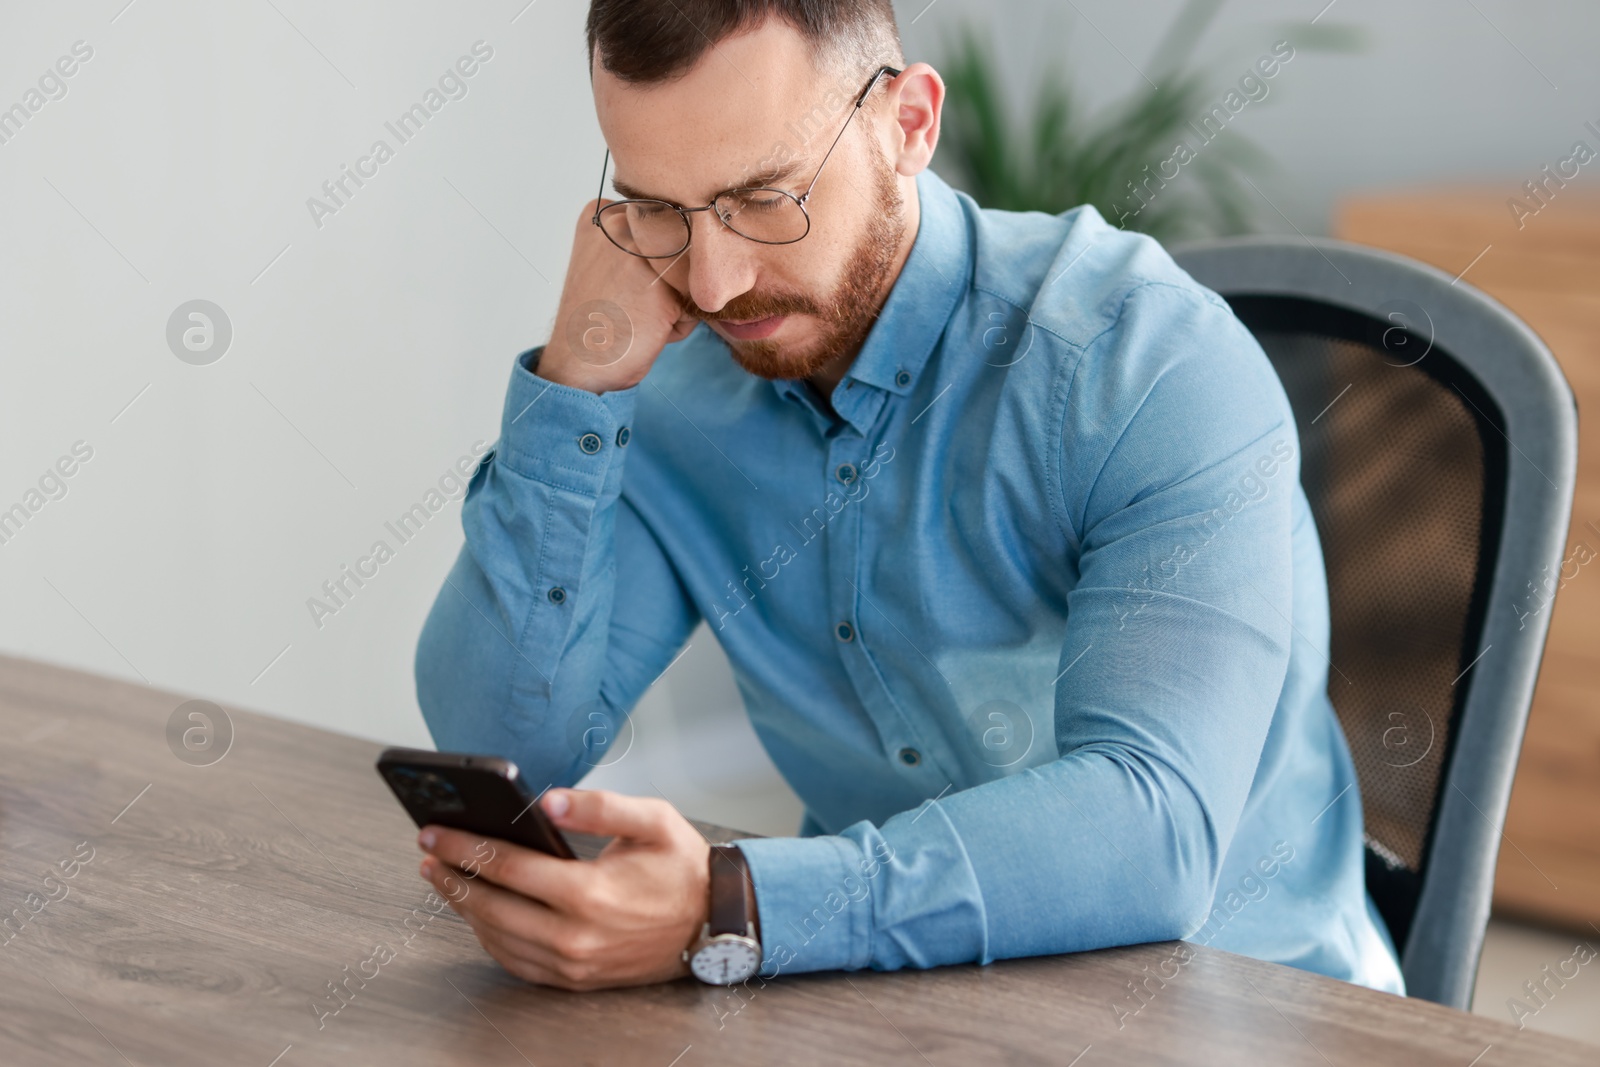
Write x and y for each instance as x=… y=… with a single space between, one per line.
x=608 y=814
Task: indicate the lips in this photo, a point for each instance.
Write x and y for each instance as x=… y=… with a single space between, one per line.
x=753 y=330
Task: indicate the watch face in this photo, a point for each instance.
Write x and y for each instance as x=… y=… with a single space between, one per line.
x=725 y=959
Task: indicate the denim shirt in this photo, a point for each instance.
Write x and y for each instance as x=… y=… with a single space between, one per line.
x=1034 y=621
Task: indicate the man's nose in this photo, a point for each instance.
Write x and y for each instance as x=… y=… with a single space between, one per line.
x=721 y=263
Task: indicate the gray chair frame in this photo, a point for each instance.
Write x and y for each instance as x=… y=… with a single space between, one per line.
x=1440 y=957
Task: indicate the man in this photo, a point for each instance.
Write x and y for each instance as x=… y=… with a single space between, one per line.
x=996 y=515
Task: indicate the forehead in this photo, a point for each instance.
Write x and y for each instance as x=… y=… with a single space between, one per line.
x=717 y=126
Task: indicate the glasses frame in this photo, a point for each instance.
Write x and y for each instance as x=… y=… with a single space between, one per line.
x=685 y=212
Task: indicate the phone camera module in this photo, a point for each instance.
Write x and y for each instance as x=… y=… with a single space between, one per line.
x=428 y=790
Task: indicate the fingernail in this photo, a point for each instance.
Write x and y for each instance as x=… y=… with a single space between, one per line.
x=556 y=803
x=427 y=867
x=427 y=838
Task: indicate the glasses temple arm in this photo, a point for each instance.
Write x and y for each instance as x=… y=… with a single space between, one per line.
x=859 y=101
x=602 y=194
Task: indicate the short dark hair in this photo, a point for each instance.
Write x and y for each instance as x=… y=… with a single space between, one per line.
x=652 y=41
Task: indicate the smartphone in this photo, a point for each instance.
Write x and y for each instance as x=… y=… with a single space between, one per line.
x=480 y=794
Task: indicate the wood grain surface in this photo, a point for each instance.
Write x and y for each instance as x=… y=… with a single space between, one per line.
x=161 y=913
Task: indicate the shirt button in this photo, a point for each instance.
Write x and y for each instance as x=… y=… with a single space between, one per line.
x=557 y=594
x=910 y=757
x=903 y=378
x=622 y=437
x=845 y=472
x=845 y=632
x=590 y=443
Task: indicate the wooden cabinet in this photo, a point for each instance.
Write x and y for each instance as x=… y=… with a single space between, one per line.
x=1546 y=268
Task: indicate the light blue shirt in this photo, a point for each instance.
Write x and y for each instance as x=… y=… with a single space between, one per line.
x=1037 y=627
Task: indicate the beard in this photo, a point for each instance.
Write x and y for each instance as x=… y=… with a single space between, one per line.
x=848 y=313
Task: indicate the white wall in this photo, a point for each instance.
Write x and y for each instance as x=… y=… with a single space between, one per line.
x=372 y=351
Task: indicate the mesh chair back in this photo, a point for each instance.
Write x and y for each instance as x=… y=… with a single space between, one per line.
x=1418 y=405
x=1406 y=477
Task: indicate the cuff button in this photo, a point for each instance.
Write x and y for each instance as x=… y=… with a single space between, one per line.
x=590 y=443
x=623 y=436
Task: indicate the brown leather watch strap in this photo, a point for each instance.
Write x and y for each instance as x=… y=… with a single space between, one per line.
x=733 y=893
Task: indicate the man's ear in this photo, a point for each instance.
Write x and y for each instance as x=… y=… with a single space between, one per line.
x=917 y=102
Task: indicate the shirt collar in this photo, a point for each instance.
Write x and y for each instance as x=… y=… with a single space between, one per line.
x=920 y=303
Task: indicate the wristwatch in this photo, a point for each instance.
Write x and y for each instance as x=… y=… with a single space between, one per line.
x=728 y=949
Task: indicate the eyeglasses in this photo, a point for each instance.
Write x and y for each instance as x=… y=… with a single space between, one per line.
x=656 y=229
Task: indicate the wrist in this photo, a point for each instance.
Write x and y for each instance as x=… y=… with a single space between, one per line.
x=549 y=364
x=736 y=873
x=728 y=947
x=556 y=364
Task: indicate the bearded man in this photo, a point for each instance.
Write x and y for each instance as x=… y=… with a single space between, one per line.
x=996 y=515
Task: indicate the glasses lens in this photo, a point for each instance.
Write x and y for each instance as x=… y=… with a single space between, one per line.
x=646 y=227
x=769 y=215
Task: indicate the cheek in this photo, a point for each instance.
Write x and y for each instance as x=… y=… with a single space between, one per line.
x=843 y=213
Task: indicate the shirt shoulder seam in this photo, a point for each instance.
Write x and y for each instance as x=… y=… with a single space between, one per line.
x=1067 y=377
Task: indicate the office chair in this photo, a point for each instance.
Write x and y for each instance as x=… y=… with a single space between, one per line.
x=1439 y=452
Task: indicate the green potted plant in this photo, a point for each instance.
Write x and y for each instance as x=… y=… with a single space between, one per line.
x=1143 y=161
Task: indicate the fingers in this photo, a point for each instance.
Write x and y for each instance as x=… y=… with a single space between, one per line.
x=519 y=958
x=525 y=959
x=600 y=811
x=526 y=938
x=555 y=882
x=503 y=909
x=682 y=328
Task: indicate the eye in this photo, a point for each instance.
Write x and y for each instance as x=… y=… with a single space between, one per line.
x=763 y=200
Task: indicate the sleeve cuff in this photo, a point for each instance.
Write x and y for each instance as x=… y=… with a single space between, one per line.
x=814 y=897
x=563 y=436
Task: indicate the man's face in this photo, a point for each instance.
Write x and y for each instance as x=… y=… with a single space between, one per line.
x=718 y=127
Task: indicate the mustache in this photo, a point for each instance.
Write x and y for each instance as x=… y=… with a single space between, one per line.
x=745 y=308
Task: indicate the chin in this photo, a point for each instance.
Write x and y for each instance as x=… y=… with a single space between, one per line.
x=767 y=364
x=772 y=359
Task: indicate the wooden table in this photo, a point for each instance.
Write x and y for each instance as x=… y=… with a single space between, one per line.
x=164 y=913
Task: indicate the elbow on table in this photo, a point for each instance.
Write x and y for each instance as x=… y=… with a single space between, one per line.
x=1182 y=904
x=1185 y=909
x=1187 y=906
x=1179 y=870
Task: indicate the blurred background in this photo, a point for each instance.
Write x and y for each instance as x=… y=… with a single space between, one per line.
x=358 y=353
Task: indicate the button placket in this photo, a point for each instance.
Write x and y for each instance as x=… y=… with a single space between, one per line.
x=902 y=747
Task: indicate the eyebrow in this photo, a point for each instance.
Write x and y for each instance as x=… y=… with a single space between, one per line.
x=779 y=174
